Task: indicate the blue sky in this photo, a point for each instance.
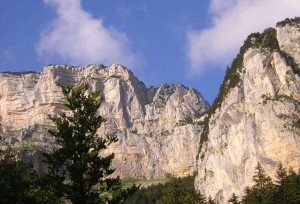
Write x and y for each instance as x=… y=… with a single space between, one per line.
x=173 y=41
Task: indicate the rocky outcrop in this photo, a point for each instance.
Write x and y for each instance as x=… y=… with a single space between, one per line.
x=156 y=127
x=256 y=120
x=255 y=117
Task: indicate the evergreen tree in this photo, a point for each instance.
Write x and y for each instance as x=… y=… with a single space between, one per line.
x=262 y=190
x=233 y=199
x=153 y=193
x=260 y=178
x=210 y=200
x=292 y=186
x=286 y=189
x=279 y=195
x=249 y=197
x=181 y=191
x=200 y=198
x=19 y=182
x=80 y=173
x=15 y=180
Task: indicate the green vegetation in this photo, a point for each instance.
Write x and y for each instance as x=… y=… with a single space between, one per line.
x=266 y=40
x=292 y=120
x=204 y=135
x=160 y=102
x=289 y=21
x=19 y=182
x=144 y=182
x=199 y=115
x=234 y=199
x=187 y=120
x=285 y=189
x=176 y=191
x=78 y=171
x=290 y=62
x=181 y=191
x=147 y=195
x=20 y=73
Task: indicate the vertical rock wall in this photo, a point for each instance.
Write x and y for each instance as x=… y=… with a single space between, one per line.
x=154 y=138
x=255 y=121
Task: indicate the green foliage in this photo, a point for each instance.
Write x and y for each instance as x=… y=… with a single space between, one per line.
x=234 y=199
x=78 y=171
x=280 y=185
x=289 y=21
x=20 y=73
x=149 y=195
x=290 y=62
x=232 y=77
x=181 y=191
x=204 y=134
x=122 y=195
x=187 y=120
x=285 y=189
x=292 y=120
x=145 y=182
x=260 y=178
x=263 y=187
x=19 y=183
x=262 y=190
x=265 y=40
x=176 y=191
x=200 y=114
x=210 y=201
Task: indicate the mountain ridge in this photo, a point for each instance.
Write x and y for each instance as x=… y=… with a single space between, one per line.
x=171 y=129
x=150 y=122
x=247 y=123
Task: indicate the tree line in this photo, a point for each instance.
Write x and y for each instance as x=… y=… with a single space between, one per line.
x=78 y=173
x=285 y=189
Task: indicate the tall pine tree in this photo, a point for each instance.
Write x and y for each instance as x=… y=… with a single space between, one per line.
x=280 y=194
x=79 y=170
x=262 y=190
x=234 y=199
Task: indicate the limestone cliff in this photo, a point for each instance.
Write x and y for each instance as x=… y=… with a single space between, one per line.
x=254 y=117
x=155 y=127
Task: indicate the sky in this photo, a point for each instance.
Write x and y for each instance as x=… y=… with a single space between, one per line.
x=171 y=41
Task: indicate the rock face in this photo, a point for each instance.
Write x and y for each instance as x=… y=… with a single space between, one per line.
x=155 y=127
x=256 y=120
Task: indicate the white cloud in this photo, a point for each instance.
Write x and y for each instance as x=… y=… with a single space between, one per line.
x=232 y=22
x=79 y=39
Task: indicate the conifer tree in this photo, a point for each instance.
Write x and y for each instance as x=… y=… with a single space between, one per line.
x=79 y=170
x=286 y=189
x=181 y=191
x=292 y=183
x=20 y=183
x=262 y=190
x=279 y=195
x=200 y=198
x=260 y=178
x=210 y=200
x=233 y=199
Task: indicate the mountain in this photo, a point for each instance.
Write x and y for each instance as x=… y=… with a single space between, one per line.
x=256 y=115
x=172 y=129
x=157 y=128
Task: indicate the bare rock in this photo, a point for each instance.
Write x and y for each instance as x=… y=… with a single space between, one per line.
x=154 y=138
